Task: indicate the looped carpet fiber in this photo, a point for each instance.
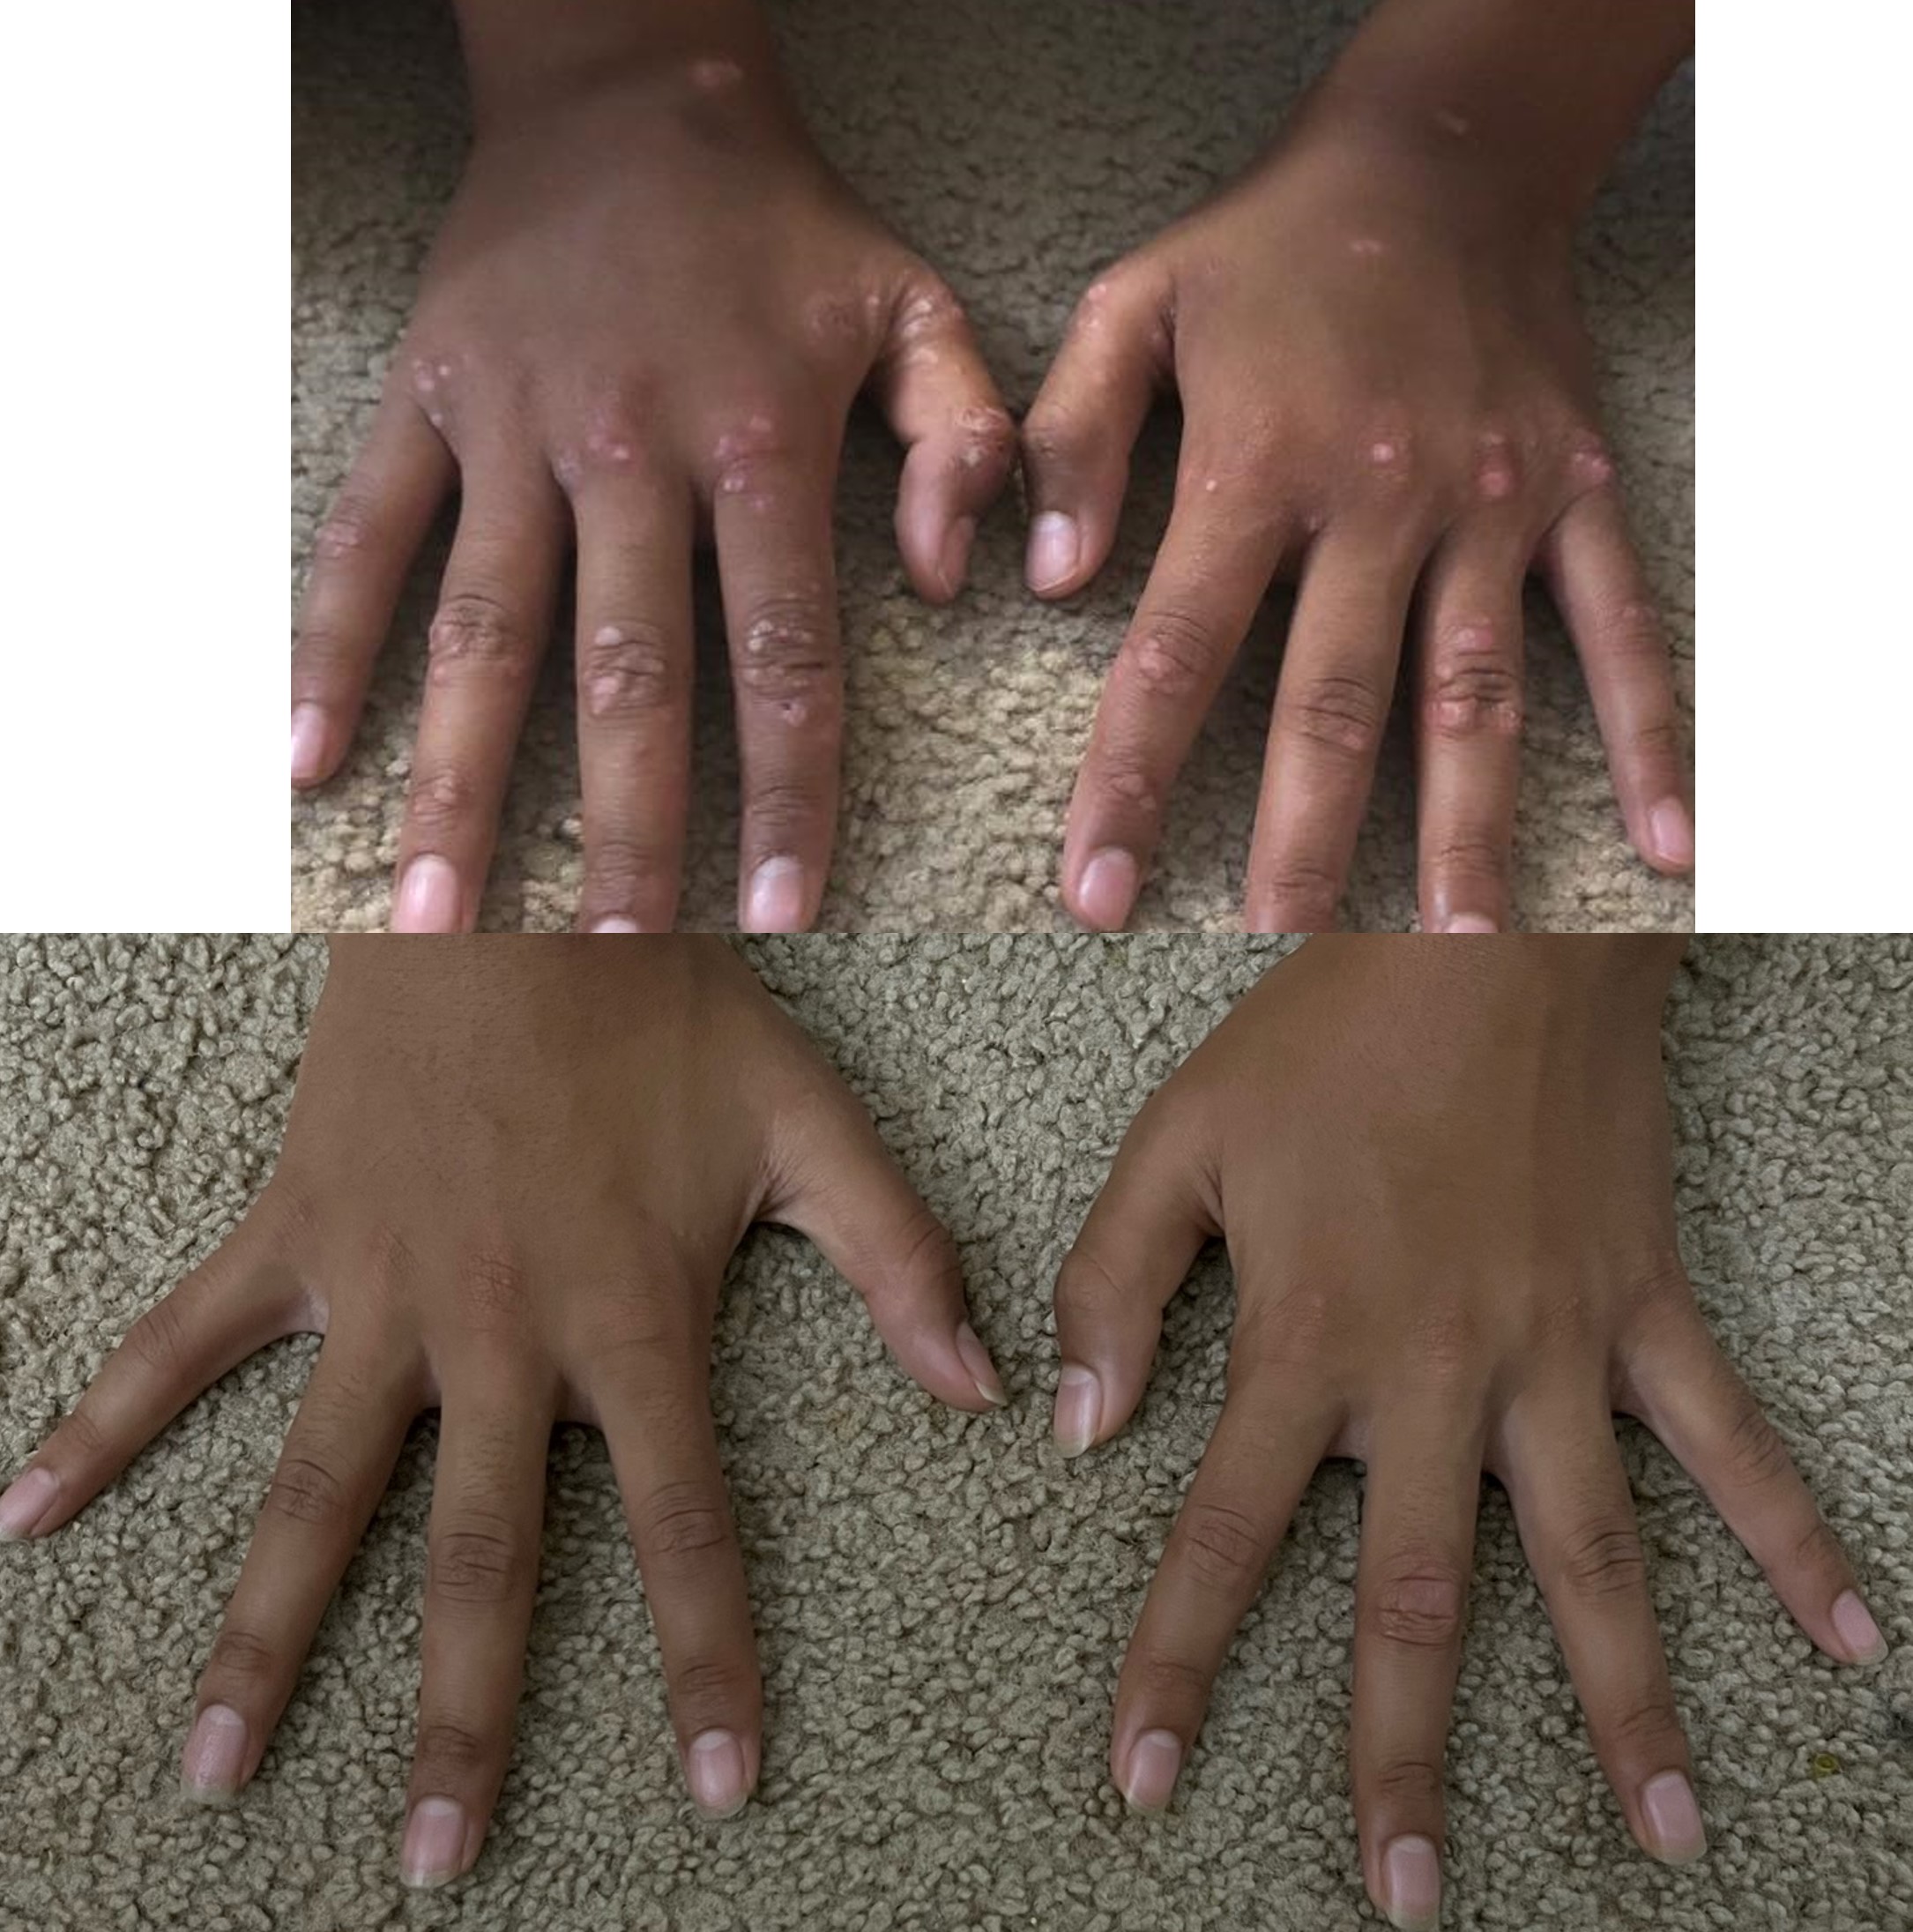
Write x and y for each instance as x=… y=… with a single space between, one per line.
x=1020 y=150
x=941 y=1601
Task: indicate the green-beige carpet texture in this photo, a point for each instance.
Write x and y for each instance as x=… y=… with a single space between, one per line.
x=1021 y=150
x=941 y=1601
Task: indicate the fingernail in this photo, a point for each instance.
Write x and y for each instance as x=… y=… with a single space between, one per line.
x=617 y=925
x=1106 y=889
x=1079 y=1406
x=976 y=1360
x=1412 y=1885
x=27 y=1499
x=1154 y=1760
x=776 y=897
x=309 y=742
x=1671 y=832
x=714 y=1770
x=428 y=898
x=1469 y=922
x=434 y=1850
x=1054 y=546
x=956 y=558
x=1853 y=1622
x=1675 y=1832
x=214 y=1760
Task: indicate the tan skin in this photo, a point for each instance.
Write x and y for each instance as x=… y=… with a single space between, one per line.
x=1389 y=398
x=512 y=1179
x=1444 y=1177
x=642 y=326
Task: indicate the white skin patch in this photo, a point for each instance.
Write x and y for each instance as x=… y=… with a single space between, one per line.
x=792 y=711
x=1593 y=465
x=1210 y=486
x=423 y=378
x=1367 y=247
x=1384 y=454
x=436 y=417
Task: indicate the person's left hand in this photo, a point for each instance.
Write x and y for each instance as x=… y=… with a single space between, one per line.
x=1387 y=393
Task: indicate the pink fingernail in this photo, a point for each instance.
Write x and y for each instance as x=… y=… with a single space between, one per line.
x=1470 y=922
x=956 y=558
x=714 y=1770
x=1154 y=1760
x=617 y=925
x=29 y=1498
x=1675 y=1833
x=1412 y=1885
x=1853 y=1625
x=1671 y=832
x=434 y=1850
x=776 y=902
x=1055 y=544
x=428 y=898
x=1079 y=1407
x=308 y=743
x=214 y=1760
x=1106 y=889
x=976 y=1360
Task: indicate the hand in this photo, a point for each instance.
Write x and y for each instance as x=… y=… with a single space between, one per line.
x=1444 y=1177
x=647 y=315
x=1387 y=394
x=510 y=1180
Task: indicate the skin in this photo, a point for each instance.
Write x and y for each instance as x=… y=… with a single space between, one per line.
x=642 y=326
x=1465 y=1264
x=512 y=1179
x=1389 y=398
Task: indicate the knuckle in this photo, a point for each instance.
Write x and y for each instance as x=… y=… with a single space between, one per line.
x=1604 y=1561
x=474 y=633
x=986 y=437
x=1340 y=712
x=926 y=307
x=440 y=800
x=1419 y=1606
x=1636 y=633
x=1054 y=436
x=82 y=1431
x=708 y=1684
x=241 y=1656
x=1474 y=685
x=1473 y=857
x=495 y=1291
x=158 y=1338
x=476 y=1564
x=1659 y=740
x=786 y=651
x=1174 y=653
x=1645 y=1727
x=1755 y=1451
x=1819 y=1549
x=756 y=451
x=351 y=524
x=306 y=1491
x=783 y=810
x=445 y=1745
x=1221 y=1545
x=620 y=869
x=1302 y=891
x=1086 y=1291
x=1168 y=1683
x=1408 y=1784
x=631 y=669
x=680 y=1519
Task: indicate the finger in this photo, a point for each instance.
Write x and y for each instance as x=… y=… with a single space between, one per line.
x=335 y=1463
x=1135 y=1248
x=239 y=1298
x=634 y=662
x=1689 y=1395
x=1269 y=1437
x=1214 y=563
x=482 y=1575
x=1595 y=574
x=1577 y=1524
x=652 y=1401
x=1078 y=434
x=773 y=520
x=361 y=554
x=1331 y=704
x=835 y=1182
x=1410 y=1594
x=1471 y=674
x=494 y=614
x=932 y=384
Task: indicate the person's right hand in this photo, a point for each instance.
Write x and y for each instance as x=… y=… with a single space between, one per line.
x=645 y=321
x=510 y=1182
x=1444 y=1173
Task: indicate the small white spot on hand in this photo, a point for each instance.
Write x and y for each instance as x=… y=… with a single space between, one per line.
x=1451 y=122
x=708 y=76
x=1210 y=485
x=1367 y=247
x=1382 y=454
x=792 y=711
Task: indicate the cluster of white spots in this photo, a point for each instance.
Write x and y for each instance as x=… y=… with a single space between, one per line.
x=1592 y=465
x=713 y=76
x=1495 y=474
x=608 y=447
x=793 y=711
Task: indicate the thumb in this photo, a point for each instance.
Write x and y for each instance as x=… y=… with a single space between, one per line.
x=932 y=384
x=1079 y=432
x=837 y=1185
x=1135 y=1248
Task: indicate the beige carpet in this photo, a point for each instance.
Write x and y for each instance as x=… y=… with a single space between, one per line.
x=941 y=1601
x=1020 y=149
